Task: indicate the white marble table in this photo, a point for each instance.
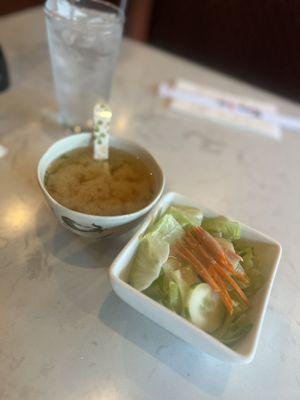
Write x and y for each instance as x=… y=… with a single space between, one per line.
x=63 y=333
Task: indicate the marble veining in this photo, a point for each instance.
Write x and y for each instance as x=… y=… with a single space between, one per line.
x=64 y=334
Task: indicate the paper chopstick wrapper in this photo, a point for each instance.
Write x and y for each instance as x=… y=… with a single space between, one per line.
x=215 y=105
x=102 y=118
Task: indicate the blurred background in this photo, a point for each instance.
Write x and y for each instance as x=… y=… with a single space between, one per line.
x=255 y=41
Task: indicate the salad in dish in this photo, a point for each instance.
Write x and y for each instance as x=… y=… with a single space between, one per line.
x=201 y=269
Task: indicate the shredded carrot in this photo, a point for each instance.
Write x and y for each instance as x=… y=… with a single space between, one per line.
x=233 y=283
x=214 y=249
x=225 y=263
x=227 y=300
x=188 y=256
x=203 y=254
x=191 y=240
x=241 y=277
x=209 y=261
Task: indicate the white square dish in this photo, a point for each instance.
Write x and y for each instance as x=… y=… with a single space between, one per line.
x=268 y=253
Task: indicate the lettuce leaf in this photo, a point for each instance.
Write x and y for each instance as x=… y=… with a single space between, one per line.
x=251 y=267
x=247 y=253
x=183 y=275
x=166 y=228
x=157 y=289
x=233 y=329
x=235 y=326
x=166 y=292
x=187 y=217
x=174 y=298
x=222 y=227
x=151 y=254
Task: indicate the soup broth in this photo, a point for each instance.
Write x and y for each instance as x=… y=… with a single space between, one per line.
x=121 y=185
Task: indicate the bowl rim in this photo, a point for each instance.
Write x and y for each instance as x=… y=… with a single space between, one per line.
x=235 y=355
x=102 y=217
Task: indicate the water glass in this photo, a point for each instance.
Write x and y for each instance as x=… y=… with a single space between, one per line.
x=84 y=39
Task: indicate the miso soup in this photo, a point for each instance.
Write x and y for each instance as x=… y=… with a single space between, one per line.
x=121 y=185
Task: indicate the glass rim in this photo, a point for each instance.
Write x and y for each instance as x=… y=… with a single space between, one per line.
x=120 y=13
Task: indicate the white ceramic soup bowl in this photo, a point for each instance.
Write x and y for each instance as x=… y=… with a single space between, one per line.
x=268 y=253
x=93 y=225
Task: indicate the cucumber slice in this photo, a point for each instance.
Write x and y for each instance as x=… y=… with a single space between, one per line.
x=205 y=307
